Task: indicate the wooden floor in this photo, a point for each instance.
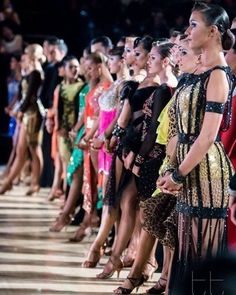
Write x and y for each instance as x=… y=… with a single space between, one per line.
x=36 y=261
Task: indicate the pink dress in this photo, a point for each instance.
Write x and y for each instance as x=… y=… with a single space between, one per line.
x=108 y=102
x=90 y=177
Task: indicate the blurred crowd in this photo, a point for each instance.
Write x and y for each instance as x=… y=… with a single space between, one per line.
x=100 y=129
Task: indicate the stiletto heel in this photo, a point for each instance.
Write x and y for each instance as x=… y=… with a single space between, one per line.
x=135 y=284
x=55 y=193
x=80 y=234
x=116 y=266
x=33 y=190
x=158 y=288
x=93 y=258
x=62 y=221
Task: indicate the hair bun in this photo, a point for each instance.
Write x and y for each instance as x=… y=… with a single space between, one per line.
x=228 y=40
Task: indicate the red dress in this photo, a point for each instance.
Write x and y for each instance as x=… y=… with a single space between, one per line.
x=228 y=139
x=90 y=113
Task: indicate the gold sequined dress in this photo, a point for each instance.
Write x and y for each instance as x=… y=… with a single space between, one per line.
x=30 y=87
x=202 y=205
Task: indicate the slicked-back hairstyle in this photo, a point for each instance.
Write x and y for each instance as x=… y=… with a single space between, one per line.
x=118 y=51
x=214 y=14
x=106 y=41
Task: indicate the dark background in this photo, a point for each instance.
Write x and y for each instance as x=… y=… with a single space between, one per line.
x=78 y=21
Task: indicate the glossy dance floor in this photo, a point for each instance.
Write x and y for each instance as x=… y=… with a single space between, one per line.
x=35 y=261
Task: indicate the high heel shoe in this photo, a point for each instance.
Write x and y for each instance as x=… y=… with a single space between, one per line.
x=134 y=282
x=159 y=288
x=93 y=258
x=55 y=193
x=149 y=269
x=61 y=221
x=80 y=234
x=116 y=264
x=33 y=190
x=6 y=186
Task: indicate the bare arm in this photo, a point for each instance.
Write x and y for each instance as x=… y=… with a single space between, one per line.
x=217 y=91
x=125 y=115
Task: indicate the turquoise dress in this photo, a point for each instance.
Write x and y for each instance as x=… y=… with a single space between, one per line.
x=77 y=156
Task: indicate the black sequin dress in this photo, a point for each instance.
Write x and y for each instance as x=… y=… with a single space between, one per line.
x=202 y=205
x=151 y=153
x=131 y=141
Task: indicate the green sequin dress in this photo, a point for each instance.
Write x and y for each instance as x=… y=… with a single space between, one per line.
x=77 y=156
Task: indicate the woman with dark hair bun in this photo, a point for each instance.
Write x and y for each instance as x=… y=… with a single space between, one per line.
x=203 y=168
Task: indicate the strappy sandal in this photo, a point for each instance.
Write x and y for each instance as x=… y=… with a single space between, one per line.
x=61 y=221
x=80 y=234
x=117 y=265
x=158 y=288
x=93 y=258
x=134 y=282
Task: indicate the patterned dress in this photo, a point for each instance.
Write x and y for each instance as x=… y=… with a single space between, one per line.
x=151 y=153
x=159 y=211
x=202 y=205
x=77 y=156
x=67 y=114
x=90 y=176
x=108 y=102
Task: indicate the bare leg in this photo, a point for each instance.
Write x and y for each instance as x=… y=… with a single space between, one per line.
x=56 y=186
x=162 y=284
x=20 y=156
x=87 y=220
x=128 y=208
x=108 y=220
x=146 y=246
x=35 y=164
x=74 y=192
x=40 y=156
x=169 y=270
x=127 y=222
x=96 y=250
x=133 y=244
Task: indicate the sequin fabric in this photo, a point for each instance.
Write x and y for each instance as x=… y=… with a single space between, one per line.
x=206 y=185
x=215 y=107
x=77 y=156
x=202 y=205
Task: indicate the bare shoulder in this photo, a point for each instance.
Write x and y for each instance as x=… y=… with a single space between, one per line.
x=218 y=86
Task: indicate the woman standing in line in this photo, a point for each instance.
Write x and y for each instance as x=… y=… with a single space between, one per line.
x=99 y=81
x=203 y=169
x=31 y=121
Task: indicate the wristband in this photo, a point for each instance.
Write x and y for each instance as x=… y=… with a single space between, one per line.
x=118 y=131
x=176 y=177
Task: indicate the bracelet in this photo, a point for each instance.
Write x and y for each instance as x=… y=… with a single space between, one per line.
x=176 y=177
x=139 y=160
x=170 y=167
x=118 y=131
x=101 y=137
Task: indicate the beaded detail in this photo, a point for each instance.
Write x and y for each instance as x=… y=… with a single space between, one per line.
x=118 y=131
x=215 y=107
x=210 y=212
x=139 y=160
